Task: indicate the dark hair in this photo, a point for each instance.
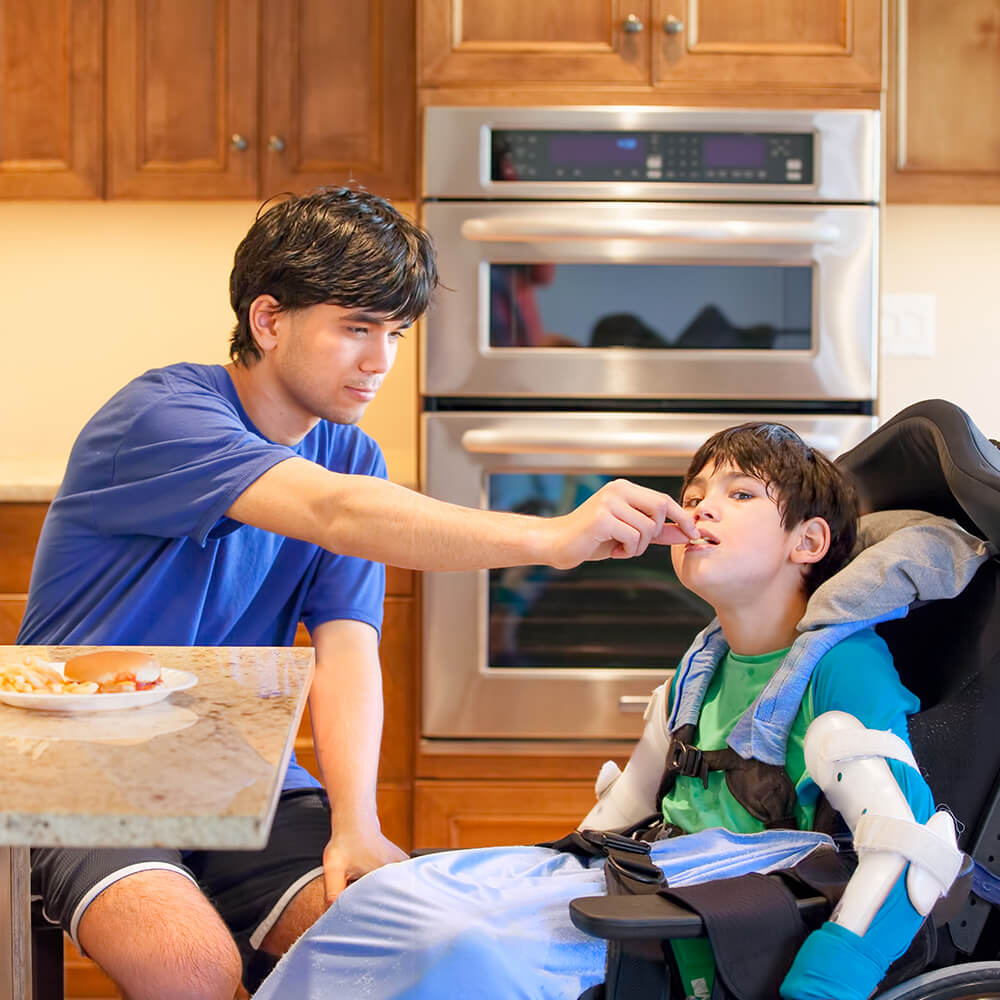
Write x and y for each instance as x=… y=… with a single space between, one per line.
x=802 y=481
x=340 y=246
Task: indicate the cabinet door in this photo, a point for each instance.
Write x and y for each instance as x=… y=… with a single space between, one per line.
x=339 y=95
x=182 y=98
x=453 y=814
x=533 y=41
x=780 y=43
x=51 y=120
x=944 y=102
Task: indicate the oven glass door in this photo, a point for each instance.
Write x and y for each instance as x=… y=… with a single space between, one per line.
x=672 y=301
x=536 y=653
x=617 y=613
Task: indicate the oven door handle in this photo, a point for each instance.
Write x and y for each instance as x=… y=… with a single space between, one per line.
x=544 y=229
x=529 y=441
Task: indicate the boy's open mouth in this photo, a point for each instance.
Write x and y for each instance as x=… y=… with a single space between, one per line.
x=704 y=541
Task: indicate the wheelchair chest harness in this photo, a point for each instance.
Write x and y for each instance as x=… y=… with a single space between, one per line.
x=753 y=761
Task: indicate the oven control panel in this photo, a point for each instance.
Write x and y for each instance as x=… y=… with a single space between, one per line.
x=674 y=157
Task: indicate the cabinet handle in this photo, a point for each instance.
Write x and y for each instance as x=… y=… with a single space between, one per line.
x=673 y=25
x=238 y=142
x=633 y=24
x=276 y=144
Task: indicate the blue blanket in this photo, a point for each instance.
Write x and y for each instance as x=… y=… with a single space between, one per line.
x=491 y=923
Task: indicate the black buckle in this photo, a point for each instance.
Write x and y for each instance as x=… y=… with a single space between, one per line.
x=641 y=869
x=615 y=841
x=687 y=760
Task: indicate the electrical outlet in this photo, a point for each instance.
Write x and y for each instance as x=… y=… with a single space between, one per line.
x=909 y=326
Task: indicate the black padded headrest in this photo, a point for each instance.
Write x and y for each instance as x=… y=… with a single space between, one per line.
x=932 y=457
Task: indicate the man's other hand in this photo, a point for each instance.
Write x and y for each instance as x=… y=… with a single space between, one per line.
x=349 y=855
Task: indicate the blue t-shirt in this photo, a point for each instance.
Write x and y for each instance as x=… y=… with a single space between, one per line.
x=136 y=548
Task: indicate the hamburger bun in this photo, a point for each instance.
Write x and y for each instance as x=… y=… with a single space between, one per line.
x=114 y=670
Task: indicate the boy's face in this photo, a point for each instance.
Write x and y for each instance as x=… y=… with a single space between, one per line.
x=331 y=360
x=747 y=549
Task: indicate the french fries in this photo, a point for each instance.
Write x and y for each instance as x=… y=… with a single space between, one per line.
x=34 y=676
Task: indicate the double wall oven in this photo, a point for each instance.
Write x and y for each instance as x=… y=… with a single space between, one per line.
x=619 y=284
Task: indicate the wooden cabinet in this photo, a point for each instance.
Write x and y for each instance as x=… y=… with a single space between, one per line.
x=51 y=107
x=453 y=814
x=677 y=44
x=205 y=98
x=216 y=99
x=943 y=141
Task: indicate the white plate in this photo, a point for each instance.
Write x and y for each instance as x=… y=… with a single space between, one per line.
x=173 y=680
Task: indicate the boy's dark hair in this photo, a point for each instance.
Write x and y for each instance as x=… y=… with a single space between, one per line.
x=802 y=481
x=339 y=246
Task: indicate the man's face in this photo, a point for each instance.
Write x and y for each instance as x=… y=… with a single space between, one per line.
x=330 y=360
x=747 y=546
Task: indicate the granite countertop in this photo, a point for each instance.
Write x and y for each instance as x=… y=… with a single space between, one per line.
x=25 y=481
x=202 y=768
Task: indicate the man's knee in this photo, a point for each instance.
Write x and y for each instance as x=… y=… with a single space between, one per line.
x=156 y=935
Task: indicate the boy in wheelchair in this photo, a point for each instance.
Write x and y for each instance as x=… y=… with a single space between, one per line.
x=779 y=718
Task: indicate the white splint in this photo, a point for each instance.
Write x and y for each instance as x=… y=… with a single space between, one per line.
x=848 y=762
x=625 y=797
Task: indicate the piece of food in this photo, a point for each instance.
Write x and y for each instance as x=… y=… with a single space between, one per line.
x=114 y=670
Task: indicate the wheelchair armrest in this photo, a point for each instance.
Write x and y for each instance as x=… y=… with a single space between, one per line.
x=649 y=916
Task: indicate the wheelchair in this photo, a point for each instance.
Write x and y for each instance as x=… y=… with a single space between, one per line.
x=929 y=457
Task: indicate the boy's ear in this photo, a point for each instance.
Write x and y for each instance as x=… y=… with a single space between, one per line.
x=813 y=541
x=264 y=310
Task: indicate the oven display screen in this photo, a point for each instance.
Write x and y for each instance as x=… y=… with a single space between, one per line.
x=587 y=149
x=724 y=151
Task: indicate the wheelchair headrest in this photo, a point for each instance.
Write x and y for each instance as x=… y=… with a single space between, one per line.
x=930 y=457
x=901 y=556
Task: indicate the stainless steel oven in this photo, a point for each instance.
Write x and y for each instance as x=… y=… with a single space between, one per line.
x=620 y=283
x=653 y=253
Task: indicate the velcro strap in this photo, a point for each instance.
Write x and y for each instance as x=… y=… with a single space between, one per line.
x=853 y=744
x=924 y=848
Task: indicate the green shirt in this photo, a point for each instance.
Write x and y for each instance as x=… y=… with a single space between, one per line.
x=856 y=676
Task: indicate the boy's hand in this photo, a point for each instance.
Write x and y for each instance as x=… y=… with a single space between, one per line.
x=619 y=521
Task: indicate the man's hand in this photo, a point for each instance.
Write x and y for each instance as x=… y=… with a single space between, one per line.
x=619 y=521
x=350 y=855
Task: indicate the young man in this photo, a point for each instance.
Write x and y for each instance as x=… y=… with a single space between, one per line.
x=210 y=505
x=775 y=520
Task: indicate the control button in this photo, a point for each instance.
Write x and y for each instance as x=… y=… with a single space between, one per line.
x=560 y=172
x=654 y=175
x=633 y=172
x=793 y=175
x=761 y=174
x=654 y=162
x=709 y=173
x=723 y=173
x=793 y=164
x=577 y=172
x=616 y=172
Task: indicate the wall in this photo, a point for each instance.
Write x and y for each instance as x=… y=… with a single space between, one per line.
x=952 y=253
x=95 y=292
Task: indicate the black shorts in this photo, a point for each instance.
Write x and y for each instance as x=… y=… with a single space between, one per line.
x=248 y=888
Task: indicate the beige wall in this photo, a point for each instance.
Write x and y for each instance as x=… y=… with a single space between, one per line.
x=953 y=253
x=95 y=292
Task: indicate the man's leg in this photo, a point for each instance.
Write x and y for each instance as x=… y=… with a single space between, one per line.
x=157 y=936
x=299 y=915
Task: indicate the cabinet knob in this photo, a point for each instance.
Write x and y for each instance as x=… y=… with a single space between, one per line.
x=673 y=25
x=238 y=142
x=633 y=24
x=276 y=144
